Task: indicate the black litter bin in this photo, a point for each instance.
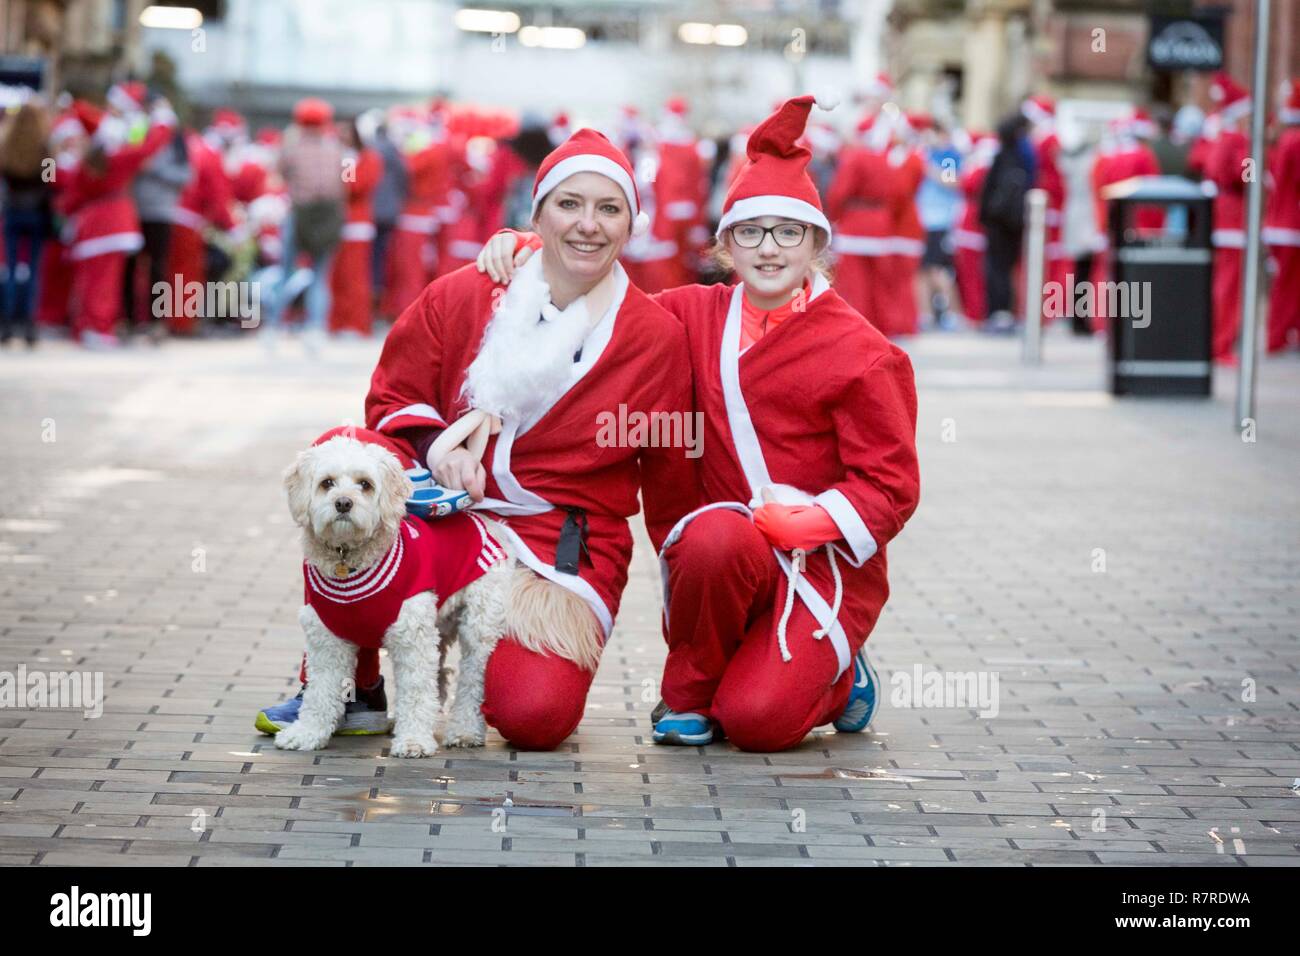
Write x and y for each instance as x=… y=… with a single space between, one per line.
x=1161 y=272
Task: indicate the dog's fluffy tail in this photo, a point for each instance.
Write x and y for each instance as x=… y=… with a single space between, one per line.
x=547 y=618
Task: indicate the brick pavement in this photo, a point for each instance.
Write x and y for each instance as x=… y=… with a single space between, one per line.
x=1126 y=570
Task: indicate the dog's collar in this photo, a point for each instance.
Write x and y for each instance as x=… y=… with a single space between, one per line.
x=342 y=569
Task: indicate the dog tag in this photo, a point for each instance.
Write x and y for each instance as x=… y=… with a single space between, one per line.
x=341 y=570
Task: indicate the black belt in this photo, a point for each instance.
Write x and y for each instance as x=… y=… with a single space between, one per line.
x=573 y=542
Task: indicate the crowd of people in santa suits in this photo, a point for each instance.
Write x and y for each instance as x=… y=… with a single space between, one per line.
x=928 y=219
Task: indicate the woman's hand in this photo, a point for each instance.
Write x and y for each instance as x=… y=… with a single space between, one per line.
x=460 y=469
x=498 y=257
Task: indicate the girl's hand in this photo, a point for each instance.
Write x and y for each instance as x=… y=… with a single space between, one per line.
x=462 y=470
x=795 y=526
x=499 y=257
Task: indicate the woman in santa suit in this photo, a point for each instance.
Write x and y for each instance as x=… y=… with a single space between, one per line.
x=809 y=469
x=350 y=277
x=529 y=374
x=105 y=228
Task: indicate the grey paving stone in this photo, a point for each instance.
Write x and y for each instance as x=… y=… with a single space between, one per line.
x=1119 y=691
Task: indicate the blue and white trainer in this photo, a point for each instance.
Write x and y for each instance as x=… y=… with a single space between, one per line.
x=365 y=716
x=683 y=730
x=863 y=697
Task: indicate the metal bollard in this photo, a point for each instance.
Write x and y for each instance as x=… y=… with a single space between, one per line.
x=1035 y=256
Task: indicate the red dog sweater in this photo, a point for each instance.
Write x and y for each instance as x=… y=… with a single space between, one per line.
x=442 y=556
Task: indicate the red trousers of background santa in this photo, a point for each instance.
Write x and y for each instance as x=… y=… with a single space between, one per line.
x=862 y=282
x=533 y=700
x=55 y=286
x=1227 y=304
x=901 y=291
x=350 y=288
x=727 y=593
x=186 y=258
x=1284 y=298
x=97 y=292
x=969 y=266
x=409 y=268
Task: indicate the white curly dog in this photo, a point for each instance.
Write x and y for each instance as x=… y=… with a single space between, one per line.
x=349 y=499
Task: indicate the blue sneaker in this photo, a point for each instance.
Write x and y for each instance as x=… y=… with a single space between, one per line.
x=863 y=697
x=365 y=716
x=682 y=730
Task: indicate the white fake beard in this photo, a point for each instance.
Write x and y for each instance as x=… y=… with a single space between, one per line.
x=523 y=365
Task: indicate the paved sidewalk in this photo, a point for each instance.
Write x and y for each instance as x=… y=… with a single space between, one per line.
x=1126 y=571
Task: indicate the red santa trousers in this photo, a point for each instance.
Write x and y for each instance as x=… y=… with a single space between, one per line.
x=969 y=265
x=723 y=657
x=97 y=292
x=862 y=281
x=1227 y=303
x=1284 y=297
x=55 y=287
x=187 y=258
x=350 y=287
x=409 y=268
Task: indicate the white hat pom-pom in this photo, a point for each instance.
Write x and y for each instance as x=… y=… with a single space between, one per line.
x=641 y=224
x=827 y=99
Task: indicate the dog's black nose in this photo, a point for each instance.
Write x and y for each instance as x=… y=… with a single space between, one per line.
x=342 y=505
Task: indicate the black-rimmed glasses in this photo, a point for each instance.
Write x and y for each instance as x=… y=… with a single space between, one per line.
x=787 y=235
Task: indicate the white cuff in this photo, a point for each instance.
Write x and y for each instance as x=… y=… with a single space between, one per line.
x=850 y=524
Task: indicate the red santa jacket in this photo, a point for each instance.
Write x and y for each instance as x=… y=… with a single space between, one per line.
x=859 y=203
x=208 y=197
x=359 y=224
x=99 y=205
x=442 y=556
x=1224 y=166
x=634 y=367
x=1282 y=218
x=824 y=403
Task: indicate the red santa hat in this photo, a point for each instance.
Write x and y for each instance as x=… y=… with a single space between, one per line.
x=227 y=120
x=1289 y=112
x=1038 y=109
x=127 y=97
x=1140 y=124
x=312 y=112
x=67 y=125
x=88 y=115
x=881 y=87
x=775 y=182
x=1229 y=96
x=588 y=151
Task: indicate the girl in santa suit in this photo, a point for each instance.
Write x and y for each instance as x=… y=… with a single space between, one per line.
x=809 y=469
x=104 y=225
x=507 y=392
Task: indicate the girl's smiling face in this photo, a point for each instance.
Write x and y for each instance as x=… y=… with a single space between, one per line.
x=772 y=272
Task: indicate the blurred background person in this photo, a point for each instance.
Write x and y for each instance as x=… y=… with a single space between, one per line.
x=311 y=164
x=939 y=202
x=27 y=216
x=1002 y=214
x=350 y=310
x=156 y=191
x=1282 y=225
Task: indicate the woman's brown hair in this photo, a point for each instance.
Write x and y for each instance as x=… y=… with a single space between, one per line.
x=26 y=142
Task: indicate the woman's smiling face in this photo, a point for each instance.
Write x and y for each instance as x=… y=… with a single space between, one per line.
x=771 y=270
x=584 y=223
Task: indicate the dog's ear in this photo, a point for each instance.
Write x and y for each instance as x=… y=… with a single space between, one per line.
x=395 y=487
x=297 y=485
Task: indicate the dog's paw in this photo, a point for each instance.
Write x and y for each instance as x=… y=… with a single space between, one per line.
x=298 y=737
x=413 y=747
x=460 y=734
